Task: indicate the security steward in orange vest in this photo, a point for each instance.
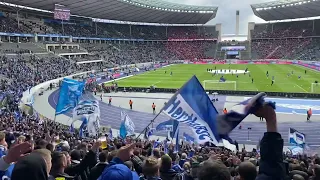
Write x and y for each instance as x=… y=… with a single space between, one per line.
x=225 y=111
x=309 y=114
x=110 y=99
x=153 y=108
x=130 y=103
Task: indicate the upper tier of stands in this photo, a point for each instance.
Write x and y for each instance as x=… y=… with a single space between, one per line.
x=286 y=40
x=31 y=25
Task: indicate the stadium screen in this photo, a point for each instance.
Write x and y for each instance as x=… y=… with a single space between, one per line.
x=232 y=52
x=233 y=48
x=61 y=12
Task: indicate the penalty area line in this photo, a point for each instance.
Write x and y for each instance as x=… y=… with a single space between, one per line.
x=301 y=88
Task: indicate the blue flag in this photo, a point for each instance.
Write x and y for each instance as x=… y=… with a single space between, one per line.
x=17 y=115
x=170 y=126
x=192 y=106
x=188 y=138
x=177 y=146
x=123 y=130
x=165 y=147
x=71 y=128
x=296 y=138
x=110 y=136
x=83 y=127
x=70 y=92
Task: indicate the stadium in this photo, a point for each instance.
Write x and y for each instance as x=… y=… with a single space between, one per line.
x=84 y=79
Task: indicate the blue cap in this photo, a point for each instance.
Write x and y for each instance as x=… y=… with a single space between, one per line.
x=118 y=172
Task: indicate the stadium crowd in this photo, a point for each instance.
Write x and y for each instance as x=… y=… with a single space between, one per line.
x=43 y=150
x=40 y=149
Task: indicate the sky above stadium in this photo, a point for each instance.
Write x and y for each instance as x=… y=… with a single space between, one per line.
x=227 y=12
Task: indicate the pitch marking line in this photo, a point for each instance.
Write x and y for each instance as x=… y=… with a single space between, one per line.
x=301 y=88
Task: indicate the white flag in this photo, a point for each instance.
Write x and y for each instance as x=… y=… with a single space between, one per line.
x=128 y=123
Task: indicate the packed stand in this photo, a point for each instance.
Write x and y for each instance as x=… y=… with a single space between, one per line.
x=46 y=150
x=278 y=49
x=284 y=30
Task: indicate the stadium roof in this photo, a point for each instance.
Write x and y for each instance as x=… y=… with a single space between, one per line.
x=150 y=11
x=287 y=9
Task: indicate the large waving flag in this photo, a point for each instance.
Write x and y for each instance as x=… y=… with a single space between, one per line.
x=296 y=138
x=192 y=106
x=170 y=126
x=127 y=126
x=70 y=92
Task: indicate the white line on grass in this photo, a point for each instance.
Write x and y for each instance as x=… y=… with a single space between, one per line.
x=156 y=83
x=301 y=88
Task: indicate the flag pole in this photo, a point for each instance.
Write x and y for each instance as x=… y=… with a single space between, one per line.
x=148 y=124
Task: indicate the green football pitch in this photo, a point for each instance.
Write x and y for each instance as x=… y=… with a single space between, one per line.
x=181 y=73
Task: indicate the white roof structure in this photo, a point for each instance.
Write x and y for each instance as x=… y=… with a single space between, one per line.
x=287 y=9
x=150 y=11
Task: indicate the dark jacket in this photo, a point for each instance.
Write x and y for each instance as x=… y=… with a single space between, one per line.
x=63 y=175
x=97 y=170
x=170 y=175
x=32 y=167
x=271 y=161
x=81 y=169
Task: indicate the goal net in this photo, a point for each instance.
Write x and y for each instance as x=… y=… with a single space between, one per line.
x=217 y=85
x=315 y=88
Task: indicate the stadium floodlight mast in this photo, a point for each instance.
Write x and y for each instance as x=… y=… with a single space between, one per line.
x=218 y=85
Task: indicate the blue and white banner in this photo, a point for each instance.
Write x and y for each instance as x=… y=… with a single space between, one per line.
x=296 y=138
x=91 y=111
x=127 y=123
x=192 y=106
x=170 y=126
x=86 y=108
x=70 y=92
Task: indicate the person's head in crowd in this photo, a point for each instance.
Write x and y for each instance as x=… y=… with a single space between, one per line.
x=247 y=171
x=118 y=172
x=156 y=153
x=41 y=144
x=50 y=147
x=297 y=177
x=111 y=155
x=316 y=172
x=103 y=156
x=150 y=167
x=212 y=170
x=166 y=163
x=59 y=163
x=75 y=155
x=83 y=146
x=46 y=155
x=68 y=157
x=317 y=160
x=21 y=139
x=3 y=139
x=32 y=166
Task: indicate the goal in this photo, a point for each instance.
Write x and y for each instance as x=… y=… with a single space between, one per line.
x=217 y=85
x=315 y=88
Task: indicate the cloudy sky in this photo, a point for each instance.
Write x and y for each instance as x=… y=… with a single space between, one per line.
x=227 y=12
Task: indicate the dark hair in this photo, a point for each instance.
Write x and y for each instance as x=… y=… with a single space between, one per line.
x=166 y=162
x=111 y=155
x=57 y=159
x=50 y=147
x=247 y=171
x=212 y=170
x=103 y=156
